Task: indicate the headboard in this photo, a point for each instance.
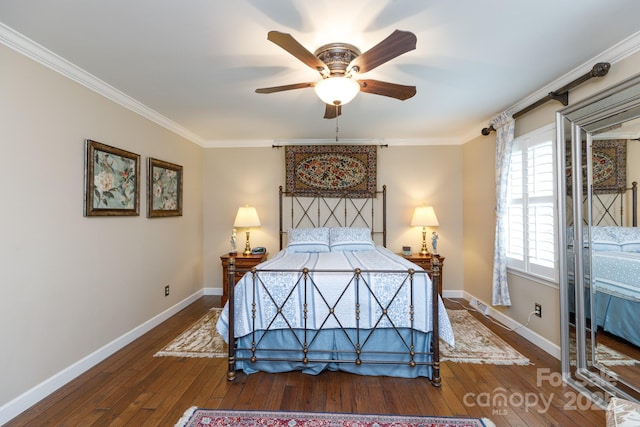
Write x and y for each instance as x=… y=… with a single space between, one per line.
x=319 y=211
x=616 y=209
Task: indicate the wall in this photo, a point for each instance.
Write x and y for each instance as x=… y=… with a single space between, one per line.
x=70 y=285
x=413 y=175
x=479 y=218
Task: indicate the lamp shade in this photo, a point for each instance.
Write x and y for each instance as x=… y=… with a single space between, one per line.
x=247 y=216
x=424 y=216
x=337 y=90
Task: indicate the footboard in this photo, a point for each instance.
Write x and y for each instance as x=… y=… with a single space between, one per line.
x=353 y=325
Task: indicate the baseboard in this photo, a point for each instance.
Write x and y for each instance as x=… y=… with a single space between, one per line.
x=29 y=398
x=213 y=291
x=453 y=294
x=531 y=336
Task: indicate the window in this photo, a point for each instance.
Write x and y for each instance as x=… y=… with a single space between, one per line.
x=531 y=219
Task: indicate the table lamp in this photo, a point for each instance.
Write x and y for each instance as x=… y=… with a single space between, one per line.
x=247 y=217
x=424 y=216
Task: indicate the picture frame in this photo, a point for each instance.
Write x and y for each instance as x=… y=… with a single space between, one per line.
x=112 y=181
x=164 y=189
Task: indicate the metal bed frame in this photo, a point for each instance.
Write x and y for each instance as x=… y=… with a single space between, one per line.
x=317 y=211
x=611 y=207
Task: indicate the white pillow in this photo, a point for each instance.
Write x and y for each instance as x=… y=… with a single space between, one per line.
x=308 y=239
x=629 y=238
x=603 y=240
x=350 y=239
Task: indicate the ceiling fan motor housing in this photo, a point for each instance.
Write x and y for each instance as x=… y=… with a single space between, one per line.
x=337 y=56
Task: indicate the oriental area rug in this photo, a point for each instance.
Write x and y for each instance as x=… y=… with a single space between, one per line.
x=200 y=340
x=604 y=355
x=475 y=343
x=195 y=417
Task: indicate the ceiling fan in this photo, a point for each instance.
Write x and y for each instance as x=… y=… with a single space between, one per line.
x=339 y=64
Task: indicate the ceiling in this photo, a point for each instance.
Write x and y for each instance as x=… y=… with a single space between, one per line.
x=194 y=64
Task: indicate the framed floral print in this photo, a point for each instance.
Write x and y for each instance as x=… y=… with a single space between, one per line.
x=112 y=183
x=164 y=190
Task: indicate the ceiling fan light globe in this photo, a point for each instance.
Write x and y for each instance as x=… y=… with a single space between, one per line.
x=337 y=90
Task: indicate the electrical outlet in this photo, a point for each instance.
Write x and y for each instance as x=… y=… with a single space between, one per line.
x=166 y=291
x=538 y=309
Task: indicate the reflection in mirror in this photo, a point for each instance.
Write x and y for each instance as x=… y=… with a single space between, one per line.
x=599 y=147
x=615 y=250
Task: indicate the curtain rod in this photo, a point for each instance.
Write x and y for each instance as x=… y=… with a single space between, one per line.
x=284 y=145
x=562 y=95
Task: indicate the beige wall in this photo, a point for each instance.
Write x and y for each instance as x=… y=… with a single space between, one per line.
x=478 y=215
x=69 y=285
x=479 y=219
x=413 y=175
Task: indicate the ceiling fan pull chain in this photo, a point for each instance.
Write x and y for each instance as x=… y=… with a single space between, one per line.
x=337 y=125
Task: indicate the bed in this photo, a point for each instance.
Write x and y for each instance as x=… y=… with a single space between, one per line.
x=615 y=265
x=613 y=279
x=334 y=298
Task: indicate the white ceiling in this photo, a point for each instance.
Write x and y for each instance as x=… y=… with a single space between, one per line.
x=197 y=62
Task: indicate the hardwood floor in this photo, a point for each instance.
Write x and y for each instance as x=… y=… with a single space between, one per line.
x=133 y=388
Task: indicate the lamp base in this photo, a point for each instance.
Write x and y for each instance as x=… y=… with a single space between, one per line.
x=423 y=249
x=247 y=246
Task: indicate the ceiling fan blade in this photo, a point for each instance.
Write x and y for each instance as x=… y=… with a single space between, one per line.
x=391 y=90
x=283 y=88
x=396 y=44
x=291 y=45
x=332 y=111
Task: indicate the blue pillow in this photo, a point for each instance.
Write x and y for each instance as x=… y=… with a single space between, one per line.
x=308 y=239
x=350 y=239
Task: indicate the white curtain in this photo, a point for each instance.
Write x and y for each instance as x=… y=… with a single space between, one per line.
x=504 y=125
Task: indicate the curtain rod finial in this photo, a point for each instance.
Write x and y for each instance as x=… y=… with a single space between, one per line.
x=600 y=69
x=487 y=131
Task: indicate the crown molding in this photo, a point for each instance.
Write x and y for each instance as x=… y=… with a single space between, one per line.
x=614 y=54
x=44 y=56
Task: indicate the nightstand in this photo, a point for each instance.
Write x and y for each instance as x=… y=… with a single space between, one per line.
x=244 y=263
x=424 y=261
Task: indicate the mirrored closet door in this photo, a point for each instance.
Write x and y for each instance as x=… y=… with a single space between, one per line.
x=599 y=149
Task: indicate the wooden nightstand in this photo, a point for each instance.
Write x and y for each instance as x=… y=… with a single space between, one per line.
x=424 y=261
x=244 y=263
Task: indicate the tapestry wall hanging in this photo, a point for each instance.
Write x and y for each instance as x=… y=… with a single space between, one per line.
x=609 y=165
x=331 y=170
x=609 y=162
